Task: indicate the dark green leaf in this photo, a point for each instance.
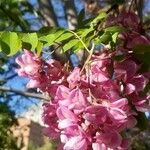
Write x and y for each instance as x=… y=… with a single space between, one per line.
x=81 y=17
x=142 y=121
x=118 y=57
x=144 y=58
x=141 y=48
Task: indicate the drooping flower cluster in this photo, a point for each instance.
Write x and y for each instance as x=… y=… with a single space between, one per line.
x=91 y=107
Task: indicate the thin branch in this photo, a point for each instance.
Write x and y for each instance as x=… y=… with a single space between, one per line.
x=76 y=35
x=10 y=77
x=24 y=93
x=47 y=11
x=140 y=5
x=131 y=5
x=89 y=57
x=70 y=14
x=15 y=19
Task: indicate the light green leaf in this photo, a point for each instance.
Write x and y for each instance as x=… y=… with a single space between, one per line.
x=114 y=29
x=85 y=32
x=98 y=18
x=64 y=36
x=70 y=44
x=10 y=43
x=114 y=37
x=105 y=38
x=30 y=40
x=49 y=39
x=77 y=47
x=39 y=48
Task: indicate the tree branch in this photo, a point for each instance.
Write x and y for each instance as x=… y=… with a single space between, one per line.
x=140 y=5
x=70 y=14
x=47 y=11
x=15 y=19
x=10 y=77
x=24 y=93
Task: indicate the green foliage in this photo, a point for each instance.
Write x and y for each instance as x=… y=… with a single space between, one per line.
x=89 y=31
x=7 y=141
x=141 y=48
x=142 y=53
x=142 y=122
x=11 y=16
x=114 y=29
x=12 y=42
x=29 y=40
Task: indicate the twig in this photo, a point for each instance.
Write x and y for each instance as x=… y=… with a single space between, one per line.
x=9 y=15
x=131 y=4
x=24 y=93
x=75 y=34
x=89 y=57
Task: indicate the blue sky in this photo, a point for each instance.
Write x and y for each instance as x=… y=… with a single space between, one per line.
x=20 y=104
x=20 y=82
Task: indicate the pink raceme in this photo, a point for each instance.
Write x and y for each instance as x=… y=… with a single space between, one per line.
x=93 y=105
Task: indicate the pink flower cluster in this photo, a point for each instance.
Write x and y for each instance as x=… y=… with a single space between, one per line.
x=91 y=107
x=46 y=76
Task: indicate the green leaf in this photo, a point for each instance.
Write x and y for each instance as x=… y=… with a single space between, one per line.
x=143 y=58
x=30 y=40
x=142 y=121
x=64 y=36
x=141 y=48
x=85 y=32
x=70 y=44
x=114 y=29
x=118 y=57
x=46 y=30
x=105 y=38
x=47 y=40
x=54 y=34
x=114 y=37
x=10 y=43
x=59 y=32
x=80 y=18
x=77 y=47
x=98 y=18
x=39 y=48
